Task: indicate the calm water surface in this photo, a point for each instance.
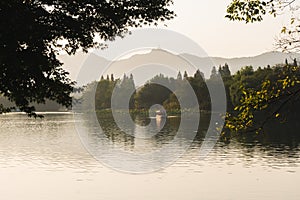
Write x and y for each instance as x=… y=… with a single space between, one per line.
x=44 y=159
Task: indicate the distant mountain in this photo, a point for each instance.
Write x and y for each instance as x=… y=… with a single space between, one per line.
x=269 y=58
x=145 y=66
x=86 y=64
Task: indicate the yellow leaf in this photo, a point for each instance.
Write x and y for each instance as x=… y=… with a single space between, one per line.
x=292 y=20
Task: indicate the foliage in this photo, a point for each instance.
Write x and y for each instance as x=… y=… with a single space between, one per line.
x=249 y=11
x=254 y=10
x=101 y=93
x=279 y=87
x=162 y=90
x=32 y=32
x=254 y=97
x=124 y=89
x=156 y=91
x=276 y=97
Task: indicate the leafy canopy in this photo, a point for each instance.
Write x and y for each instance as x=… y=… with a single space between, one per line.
x=280 y=87
x=32 y=32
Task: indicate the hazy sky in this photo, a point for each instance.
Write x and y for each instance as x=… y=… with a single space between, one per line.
x=204 y=22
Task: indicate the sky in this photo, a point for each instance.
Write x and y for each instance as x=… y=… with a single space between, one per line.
x=205 y=23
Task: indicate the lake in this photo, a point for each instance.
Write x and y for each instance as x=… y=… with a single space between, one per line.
x=45 y=159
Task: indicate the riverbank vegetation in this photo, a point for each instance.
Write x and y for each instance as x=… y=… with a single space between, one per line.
x=254 y=97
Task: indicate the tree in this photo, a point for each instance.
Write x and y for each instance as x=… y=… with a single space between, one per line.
x=112 y=77
x=268 y=94
x=199 y=86
x=123 y=90
x=179 y=76
x=198 y=75
x=224 y=71
x=228 y=82
x=278 y=87
x=33 y=32
x=213 y=74
x=103 y=93
x=156 y=91
x=185 y=75
x=295 y=62
x=253 y=11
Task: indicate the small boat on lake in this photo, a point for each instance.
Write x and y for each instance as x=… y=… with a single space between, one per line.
x=161 y=113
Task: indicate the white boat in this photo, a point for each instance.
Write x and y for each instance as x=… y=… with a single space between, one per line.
x=160 y=113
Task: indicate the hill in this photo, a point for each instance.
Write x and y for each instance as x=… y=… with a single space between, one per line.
x=145 y=66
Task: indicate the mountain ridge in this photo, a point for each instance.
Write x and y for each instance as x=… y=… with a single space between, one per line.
x=92 y=63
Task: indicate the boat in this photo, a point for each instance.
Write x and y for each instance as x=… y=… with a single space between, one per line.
x=161 y=113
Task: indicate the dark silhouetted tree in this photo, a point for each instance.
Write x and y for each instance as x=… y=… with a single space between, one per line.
x=33 y=32
x=185 y=75
x=179 y=76
x=112 y=77
x=224 y=71
x=213 y=73
x=295 y=62
x=286 y=61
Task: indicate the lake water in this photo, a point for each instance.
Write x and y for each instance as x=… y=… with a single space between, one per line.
x=45 y=159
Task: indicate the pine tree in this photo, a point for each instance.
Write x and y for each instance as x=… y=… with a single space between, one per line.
x=213 y=73
x=179 y=76
x=185 y=75
x=198 y=74
x=112 y=77
x=226 y=71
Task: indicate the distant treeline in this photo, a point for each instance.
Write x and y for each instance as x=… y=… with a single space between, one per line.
x=49 y=106
x=168 y=90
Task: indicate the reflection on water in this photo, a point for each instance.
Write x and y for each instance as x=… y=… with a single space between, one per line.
x=40 y=142
x=44 y=159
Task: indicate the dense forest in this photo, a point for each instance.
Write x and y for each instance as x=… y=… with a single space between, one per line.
x=249 y=92
x=166 y=90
